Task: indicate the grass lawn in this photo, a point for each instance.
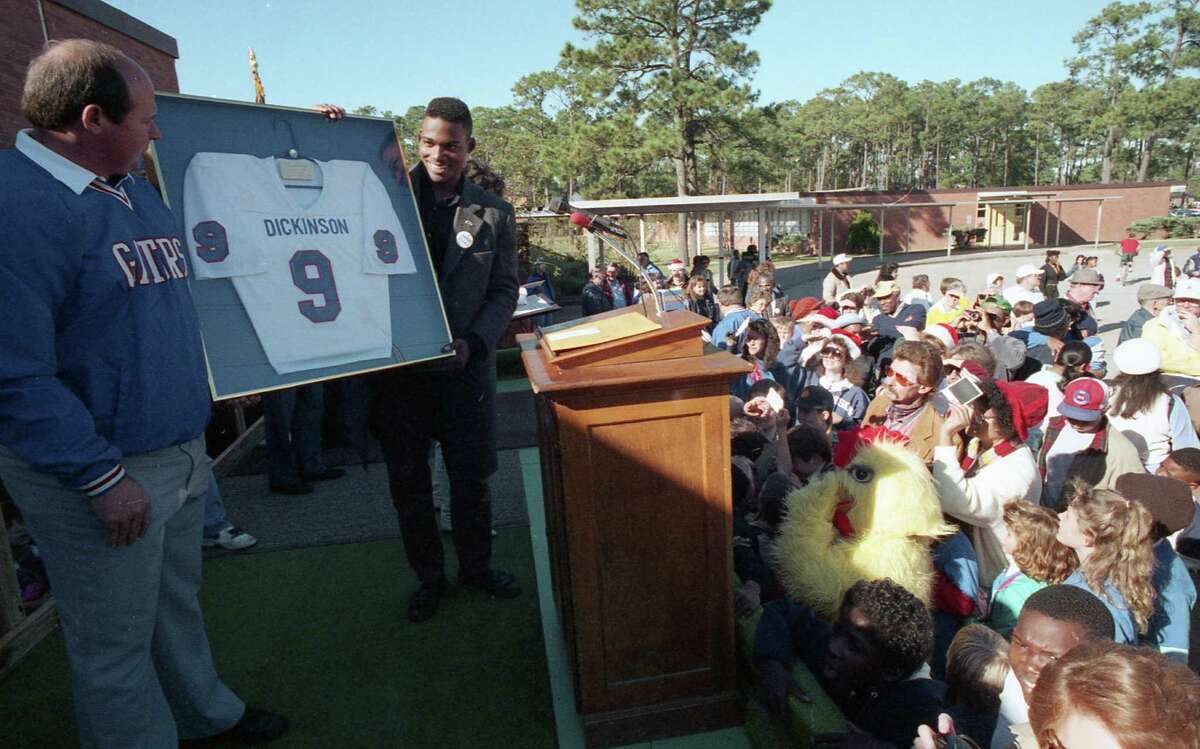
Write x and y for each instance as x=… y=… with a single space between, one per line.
x=320 y=635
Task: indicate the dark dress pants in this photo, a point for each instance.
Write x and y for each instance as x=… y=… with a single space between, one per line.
x=456 y=408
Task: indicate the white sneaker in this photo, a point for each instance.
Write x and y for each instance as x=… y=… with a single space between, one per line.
x=231 y=537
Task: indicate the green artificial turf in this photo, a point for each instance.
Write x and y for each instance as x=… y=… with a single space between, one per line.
x=320 y=635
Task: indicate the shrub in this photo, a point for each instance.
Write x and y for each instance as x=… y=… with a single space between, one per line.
x=863 y=235
x=568 y=273
x=1166 y=227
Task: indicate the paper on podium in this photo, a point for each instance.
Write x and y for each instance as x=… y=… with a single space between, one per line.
x=589 y=332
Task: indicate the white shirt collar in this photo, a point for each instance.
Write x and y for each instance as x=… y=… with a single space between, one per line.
x=75 y=177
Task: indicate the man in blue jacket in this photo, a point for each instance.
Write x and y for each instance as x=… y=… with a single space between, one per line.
x=104 y=402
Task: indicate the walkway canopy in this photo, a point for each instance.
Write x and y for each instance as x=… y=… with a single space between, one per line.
x=697 y=207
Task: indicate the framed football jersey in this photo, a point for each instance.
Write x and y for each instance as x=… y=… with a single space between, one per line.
x=304 y=246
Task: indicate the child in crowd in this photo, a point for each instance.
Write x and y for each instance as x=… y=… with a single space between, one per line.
x=1170 y=504
x=1111 y=537
x=810 y=451
x=1035 y=559
x=871 y=661
x=753 y=549
x=1072 y=362
x=1022 y=315
x=733 y=315
x=759 y=345
x=976 y=667
x=956 y=594
x=1184 y=465
x=1054 y=621
x=785 y=328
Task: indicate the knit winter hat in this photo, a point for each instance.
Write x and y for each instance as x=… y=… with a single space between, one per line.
x=1028 y=402
x=1049 y=313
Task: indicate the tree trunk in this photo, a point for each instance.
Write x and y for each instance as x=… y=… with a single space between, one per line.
x=1037 y=158
x=1143 y=172
x=1106 y=163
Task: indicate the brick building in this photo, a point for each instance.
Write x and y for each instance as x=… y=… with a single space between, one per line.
x=1050 y=214
x=29 y=24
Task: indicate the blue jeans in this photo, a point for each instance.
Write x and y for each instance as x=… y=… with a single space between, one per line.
x=214 y=508
x=141 y=670
x=293 y=425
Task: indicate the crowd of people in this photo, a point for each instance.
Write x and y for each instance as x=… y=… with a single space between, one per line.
x=1068 y=471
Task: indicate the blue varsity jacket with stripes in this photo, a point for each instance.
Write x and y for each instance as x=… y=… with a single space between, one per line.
x=100 y=353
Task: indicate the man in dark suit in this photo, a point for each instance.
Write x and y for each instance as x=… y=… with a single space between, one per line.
x=471 y=235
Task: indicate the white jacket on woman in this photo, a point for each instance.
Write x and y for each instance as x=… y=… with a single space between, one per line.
x=979 y=499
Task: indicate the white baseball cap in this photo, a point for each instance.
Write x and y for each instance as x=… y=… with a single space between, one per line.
x=840 y=258
x=1137 y=356
x=1187 y=288
x=1028 y=270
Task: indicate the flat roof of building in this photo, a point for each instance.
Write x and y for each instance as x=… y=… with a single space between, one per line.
x=118 y=20
x=696 y=203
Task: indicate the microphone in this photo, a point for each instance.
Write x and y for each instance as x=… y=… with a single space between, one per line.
x=596 y=223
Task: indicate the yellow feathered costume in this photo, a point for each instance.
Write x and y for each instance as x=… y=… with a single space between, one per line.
x=872 y=518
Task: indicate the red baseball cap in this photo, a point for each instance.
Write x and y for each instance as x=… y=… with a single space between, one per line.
x=1084 y=399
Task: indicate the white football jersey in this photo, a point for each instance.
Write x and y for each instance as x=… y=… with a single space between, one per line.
x=312 y=280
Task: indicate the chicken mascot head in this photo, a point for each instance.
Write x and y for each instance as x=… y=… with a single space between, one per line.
x=874 y=516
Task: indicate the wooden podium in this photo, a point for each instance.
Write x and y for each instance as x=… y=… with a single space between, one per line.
x=634 y=441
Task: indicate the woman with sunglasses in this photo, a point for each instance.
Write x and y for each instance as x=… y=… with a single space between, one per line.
x=843 y=379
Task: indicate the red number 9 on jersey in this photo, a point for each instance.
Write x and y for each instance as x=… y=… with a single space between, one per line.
x=212 y=245
x=322 y=284
x=385 y=246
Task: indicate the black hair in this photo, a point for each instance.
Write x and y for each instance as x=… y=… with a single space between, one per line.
x=69 y=76
x=749 y=444
x=901 y=625
x=1188 y=458
x=740 y=487
x=451 y=110
x=806 y=442
x=764 y=386
x=1067 y=603
x=999 y=404
x=1075 y=357
x=772 y=498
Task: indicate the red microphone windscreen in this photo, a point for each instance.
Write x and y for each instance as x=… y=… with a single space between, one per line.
x=581 y=219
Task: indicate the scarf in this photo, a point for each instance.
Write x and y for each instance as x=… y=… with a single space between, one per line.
x=900 y=418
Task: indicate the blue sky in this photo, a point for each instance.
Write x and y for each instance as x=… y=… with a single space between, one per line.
x=397 y=54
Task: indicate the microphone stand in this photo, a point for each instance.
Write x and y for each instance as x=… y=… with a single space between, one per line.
x=608 y=242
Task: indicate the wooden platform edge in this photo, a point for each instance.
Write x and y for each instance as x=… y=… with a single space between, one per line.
x=17 y=643
x=239 y=448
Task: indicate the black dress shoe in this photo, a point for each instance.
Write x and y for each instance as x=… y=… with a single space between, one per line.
x=499 y=583
x=325 y=475
x=255 y=727
x=424 y=603
x=291 y=488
